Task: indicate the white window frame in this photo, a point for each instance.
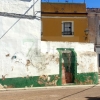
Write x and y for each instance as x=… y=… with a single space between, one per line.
x=41 y=28
x=63 y=28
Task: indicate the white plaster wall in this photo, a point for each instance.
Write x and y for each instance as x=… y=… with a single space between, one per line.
x=86 y=57
x=20 y=43
x=21 y=52
x=76 y=45
x=86 y=62
x=19 y=6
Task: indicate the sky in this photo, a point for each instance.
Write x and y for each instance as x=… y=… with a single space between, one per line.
x=89 y=3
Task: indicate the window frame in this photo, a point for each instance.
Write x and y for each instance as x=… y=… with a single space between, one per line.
x=72 y=28
x=41 y=28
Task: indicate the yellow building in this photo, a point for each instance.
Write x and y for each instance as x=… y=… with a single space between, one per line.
x=64 y=22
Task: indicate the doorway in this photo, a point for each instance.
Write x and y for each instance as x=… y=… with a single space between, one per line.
x=68 y=64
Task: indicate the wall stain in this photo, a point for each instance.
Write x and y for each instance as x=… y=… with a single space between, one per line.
x=91 y=67
x=28 y=63
x=87 y=78
x=88 y=53
x=48 y=80
x=3 y=76
x=7 y=55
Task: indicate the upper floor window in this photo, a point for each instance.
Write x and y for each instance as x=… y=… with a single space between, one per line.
x=67 y=28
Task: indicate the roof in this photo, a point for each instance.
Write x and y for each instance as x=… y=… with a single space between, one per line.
x=97 y=10
x=64 y=7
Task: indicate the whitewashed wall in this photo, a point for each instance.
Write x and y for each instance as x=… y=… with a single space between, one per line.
x=21 y=42
x=21 y=52
x=86 y=57
x=19 y=6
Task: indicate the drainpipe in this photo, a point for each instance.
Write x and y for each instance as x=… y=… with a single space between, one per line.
x=96 y=30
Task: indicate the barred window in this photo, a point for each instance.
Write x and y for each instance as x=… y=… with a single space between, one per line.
x=67 y=28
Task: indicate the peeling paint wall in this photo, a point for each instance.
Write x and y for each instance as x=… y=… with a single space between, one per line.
x=25 y=60
x=86 y=57
x=87 y=62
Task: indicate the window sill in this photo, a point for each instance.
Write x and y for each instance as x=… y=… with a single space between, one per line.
x=67 y=35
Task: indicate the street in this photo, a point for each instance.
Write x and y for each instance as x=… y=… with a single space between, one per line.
x=65 y=93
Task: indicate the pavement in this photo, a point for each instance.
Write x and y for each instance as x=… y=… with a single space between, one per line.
x=73 y=92
x=51 y=87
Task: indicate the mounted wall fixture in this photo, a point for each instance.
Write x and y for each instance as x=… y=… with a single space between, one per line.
x=86 y=33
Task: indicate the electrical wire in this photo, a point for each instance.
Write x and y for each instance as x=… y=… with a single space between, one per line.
x=18 y=20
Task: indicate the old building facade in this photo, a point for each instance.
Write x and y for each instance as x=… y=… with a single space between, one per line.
x=64 y=55
x=68 y=22
x=65 y=30
x=94 y=29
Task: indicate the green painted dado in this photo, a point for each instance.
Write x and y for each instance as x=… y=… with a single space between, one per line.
x=87 y=78
x=35 y=81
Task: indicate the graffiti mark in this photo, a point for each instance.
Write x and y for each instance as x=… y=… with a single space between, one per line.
x=88 y=53
x=19 y=57
x=13 y=57
x=35 y=58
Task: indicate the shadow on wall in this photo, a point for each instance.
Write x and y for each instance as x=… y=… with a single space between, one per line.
x=93 y=98
x=26 y=0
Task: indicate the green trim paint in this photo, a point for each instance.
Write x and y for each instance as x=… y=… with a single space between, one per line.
x=32 y=81
x=87 y=78
x=40 y=81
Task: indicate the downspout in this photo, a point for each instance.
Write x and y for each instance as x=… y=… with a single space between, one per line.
x=96 y=30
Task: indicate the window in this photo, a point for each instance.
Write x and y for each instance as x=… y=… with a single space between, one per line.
x=67 y=28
